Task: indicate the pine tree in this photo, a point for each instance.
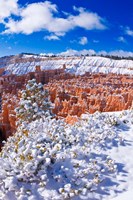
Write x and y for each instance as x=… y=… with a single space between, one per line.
x=34 y=103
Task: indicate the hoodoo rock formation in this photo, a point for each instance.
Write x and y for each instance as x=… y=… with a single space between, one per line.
x=90 y=93
x=9 y=95
x=72 y=95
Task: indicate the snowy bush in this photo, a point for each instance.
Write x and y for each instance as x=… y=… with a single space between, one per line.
x=53 y=160
x=34 y=103
x=127 y=116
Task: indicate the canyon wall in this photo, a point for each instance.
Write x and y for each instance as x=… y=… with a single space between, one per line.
x=72 y=95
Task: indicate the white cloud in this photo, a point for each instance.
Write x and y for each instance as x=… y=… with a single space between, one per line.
x=73 y=52
x=128 y=31
x=95 y=41
x=83 y=40
x=121 y=53
x=88 y=20
x=78 y=9
x=60 y=25
x=8 y=7
x=102 y=52
x=43 y=16
x=51 y=37
x=121 y=39
x=34 y=17
x=47 y=54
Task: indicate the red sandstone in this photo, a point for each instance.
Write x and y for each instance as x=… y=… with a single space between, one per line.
x=71 y=95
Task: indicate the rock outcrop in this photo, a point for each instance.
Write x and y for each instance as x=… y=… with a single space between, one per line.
x=12 y=83
x=90 y=93
x=9 y=95
x=72 y=95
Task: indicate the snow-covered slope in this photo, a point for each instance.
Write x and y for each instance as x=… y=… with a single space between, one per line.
x=91 y=160
x=22 y=64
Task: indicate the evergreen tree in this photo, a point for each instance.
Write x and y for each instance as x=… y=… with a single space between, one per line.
x=34 y=103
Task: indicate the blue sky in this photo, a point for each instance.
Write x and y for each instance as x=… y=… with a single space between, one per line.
x=65 y=25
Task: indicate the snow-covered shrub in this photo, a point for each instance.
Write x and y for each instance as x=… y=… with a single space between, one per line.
x=51 y=160
x=127 y=116
x=34 y=103
x=112 y=120
x=57 y=161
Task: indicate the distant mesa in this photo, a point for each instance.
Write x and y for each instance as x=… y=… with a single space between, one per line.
x=25 y=63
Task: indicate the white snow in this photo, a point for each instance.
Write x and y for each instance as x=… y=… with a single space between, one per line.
x=125 y=196
x=90 y=160
x=77 y=65
x=124 y=156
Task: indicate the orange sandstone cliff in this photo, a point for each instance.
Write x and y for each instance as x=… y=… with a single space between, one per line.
x=72 y=95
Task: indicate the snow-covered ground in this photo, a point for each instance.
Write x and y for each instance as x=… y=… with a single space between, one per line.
x=77 y=65
x=123 y=155
x=50 y=160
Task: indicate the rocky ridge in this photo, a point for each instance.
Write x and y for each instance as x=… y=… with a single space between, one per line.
x=24 y=63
